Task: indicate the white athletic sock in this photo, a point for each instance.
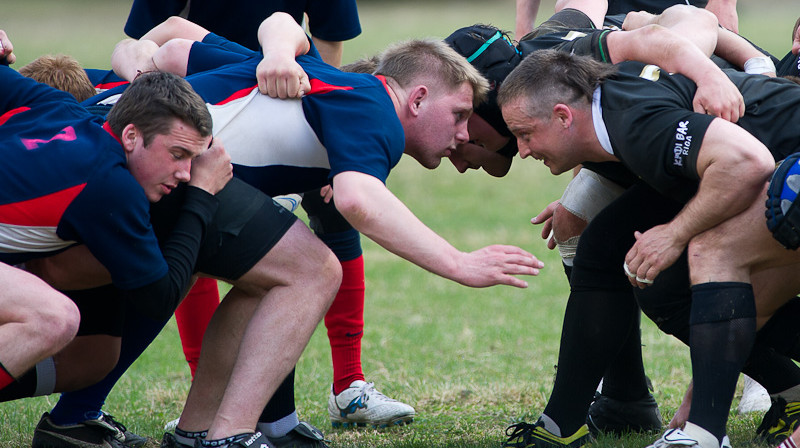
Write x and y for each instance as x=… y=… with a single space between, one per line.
x=551 y=426
x=280 y=427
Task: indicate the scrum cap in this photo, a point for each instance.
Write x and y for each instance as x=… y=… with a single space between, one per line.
x=783 y=210
x=490 y=51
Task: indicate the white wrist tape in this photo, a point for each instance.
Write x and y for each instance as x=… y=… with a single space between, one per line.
x=588 y=193
x=759 y=65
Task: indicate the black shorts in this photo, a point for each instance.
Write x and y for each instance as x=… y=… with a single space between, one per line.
x=102 y=310
x=246 y=226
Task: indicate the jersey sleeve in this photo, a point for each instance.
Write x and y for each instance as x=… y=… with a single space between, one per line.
x=584 y=42
x=358 y=127
x=653 y=129
x=215 y=52
x=111 y=216
x=789 y=65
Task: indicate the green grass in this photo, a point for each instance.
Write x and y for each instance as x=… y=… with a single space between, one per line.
x=471 y=361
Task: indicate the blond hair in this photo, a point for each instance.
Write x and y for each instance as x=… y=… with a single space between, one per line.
x=61 y=72
x=433 y=61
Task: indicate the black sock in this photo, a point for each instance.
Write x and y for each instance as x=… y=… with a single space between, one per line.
x=625 y=379
x=22 y=387
x=282 y=402
x=596 y=325
x=722 y=335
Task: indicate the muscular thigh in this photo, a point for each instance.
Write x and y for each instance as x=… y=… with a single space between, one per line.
x=774 y=287
x=742 y=243
x=245 y=227
x=296 y=257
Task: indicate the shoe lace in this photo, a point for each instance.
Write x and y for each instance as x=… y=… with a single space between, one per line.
x=772 y=417
x=519 y=430
x=368 y=390
x=115 y=426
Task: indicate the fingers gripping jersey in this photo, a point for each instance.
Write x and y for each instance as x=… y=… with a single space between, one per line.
x=346 y=122
x=63 y=181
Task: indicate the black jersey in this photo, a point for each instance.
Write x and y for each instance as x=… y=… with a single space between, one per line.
x=788 y=66
x=583 y=41
x=644 y=116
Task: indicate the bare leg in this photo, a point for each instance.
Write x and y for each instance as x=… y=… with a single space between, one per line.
x=85 y=361
x=36 y=321
x=261 y=333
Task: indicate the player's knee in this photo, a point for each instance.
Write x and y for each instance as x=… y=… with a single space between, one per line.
x=330 y=276
x=318 y=271
x=57 y=323
x=566 y=224
x=711 y=246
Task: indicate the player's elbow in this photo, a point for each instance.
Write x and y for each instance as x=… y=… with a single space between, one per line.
x=173 y=56
x=352 y=207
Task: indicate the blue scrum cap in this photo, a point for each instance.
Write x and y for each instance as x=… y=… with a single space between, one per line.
x=494 y=55
x=783 y=211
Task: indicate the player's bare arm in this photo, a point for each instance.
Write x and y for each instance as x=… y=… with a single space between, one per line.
x=374 y=211
x=282 y=39
x=655 y=44
x=733 y=167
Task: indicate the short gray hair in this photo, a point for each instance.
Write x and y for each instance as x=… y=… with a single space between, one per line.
x=550 y=77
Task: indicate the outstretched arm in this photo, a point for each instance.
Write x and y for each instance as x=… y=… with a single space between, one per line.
x=738 y=51
x=167 y=48
x=374 y=211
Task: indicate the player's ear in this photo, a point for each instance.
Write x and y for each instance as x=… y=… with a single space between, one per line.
x=416 y=99
x=563 y=114
x=129 y=136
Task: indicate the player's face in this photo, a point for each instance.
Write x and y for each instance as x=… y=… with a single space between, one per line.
x=481 y=149
x=796 y=41
x=166 y=161
x=442 y=124
x=542 y=139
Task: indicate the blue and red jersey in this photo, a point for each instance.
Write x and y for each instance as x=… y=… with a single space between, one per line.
x=64 y=181
x=347 y=122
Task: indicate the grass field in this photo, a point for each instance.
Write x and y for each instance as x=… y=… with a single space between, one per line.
x=470 y=361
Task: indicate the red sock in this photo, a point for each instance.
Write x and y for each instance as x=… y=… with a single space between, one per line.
x=193 y=316
x=5 y=377
x=345 y=323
